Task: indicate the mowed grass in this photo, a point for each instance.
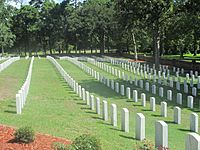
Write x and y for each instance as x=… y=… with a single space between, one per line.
x=52 y=107
x=98 y=89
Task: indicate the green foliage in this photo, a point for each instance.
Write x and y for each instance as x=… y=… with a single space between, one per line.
x=86 y=142
x=145 y=145
x=25 y=135
x=59 y=146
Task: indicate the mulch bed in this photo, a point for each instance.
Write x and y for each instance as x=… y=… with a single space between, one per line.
x=132 y=60
x=41 y=142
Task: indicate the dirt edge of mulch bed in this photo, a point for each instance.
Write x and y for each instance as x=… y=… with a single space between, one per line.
x=132 y=60
x=41 y=142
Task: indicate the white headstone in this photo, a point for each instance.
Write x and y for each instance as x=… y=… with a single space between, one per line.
x=83 y=94
x=122 y=90
x=140 y=127
x=87 y=98
x=161 y=92
x=105 y=110
x=194 y=91
x=192 y=141
x=169 y=95
x=147 y=86
x=98 y=106
x=117 y=87
x=114 y=114
x=135 y=96
x=163 y=109
x=153 y=103
x=161 y=134
x=18 y=104
x=171 y=83
x=154 y=89
x=177 y=115
x=186 y=88
x=190 y=102
x=125 y=120
x=143 y=98
x=91 y=102
x=179 y=98
x=194 y=119
x=128 y=92
x=141 y=84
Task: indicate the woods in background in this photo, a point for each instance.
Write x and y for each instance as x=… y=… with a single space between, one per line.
x=158 y=26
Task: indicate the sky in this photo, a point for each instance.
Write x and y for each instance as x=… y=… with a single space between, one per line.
x=27 y=1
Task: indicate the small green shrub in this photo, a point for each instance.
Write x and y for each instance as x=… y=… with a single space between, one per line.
x=59 y=146
x=86 y=142
x=145 y=145
x=24 y=135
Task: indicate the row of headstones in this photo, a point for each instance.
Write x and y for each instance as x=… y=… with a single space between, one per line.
x=116 y=87
x=4 y=58
x=8 y=62
x=64 y=74
x=125 y=77
x=160 y=133
x=165 y=69
x=152 y=99
x=177 y=110
x=23 y=92
x=169 y=92
x=161 y=67
x=143 y=96
x=140 y=118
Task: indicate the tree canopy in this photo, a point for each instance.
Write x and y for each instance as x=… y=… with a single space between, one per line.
x=153 y=26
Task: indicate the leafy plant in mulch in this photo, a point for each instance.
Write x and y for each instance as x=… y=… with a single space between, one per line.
x=59 y=146
x=24 y=135
x=86 y=142
x=145 y=145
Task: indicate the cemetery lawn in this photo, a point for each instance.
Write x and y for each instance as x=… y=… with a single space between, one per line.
x=175 y=131
x=53 y=108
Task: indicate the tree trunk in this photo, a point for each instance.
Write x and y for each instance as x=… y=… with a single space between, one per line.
x=156 y=45
x=102 y=49
x=181 y=52
x=2 y=50
x=135 y=46
x=162 y=43
x=195 y=44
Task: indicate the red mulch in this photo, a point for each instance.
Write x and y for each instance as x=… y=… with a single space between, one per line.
x=132 y=60
x=41 y=142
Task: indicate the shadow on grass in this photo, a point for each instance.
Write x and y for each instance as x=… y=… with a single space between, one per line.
x=116 y=129
x=139 y=105
x=156 y=115
x=85 y=108
x=146 y=110
x=128 y=137
x=90 y=112
x=12 y=106
x=10 y=111
x=81 y=103
x=170 y=122
x=105 y=123
x=184 y=130
x=97 y=118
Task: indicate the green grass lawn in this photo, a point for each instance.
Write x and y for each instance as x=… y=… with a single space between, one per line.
x=175 y=131
x=53 y=108
x=186 y=56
